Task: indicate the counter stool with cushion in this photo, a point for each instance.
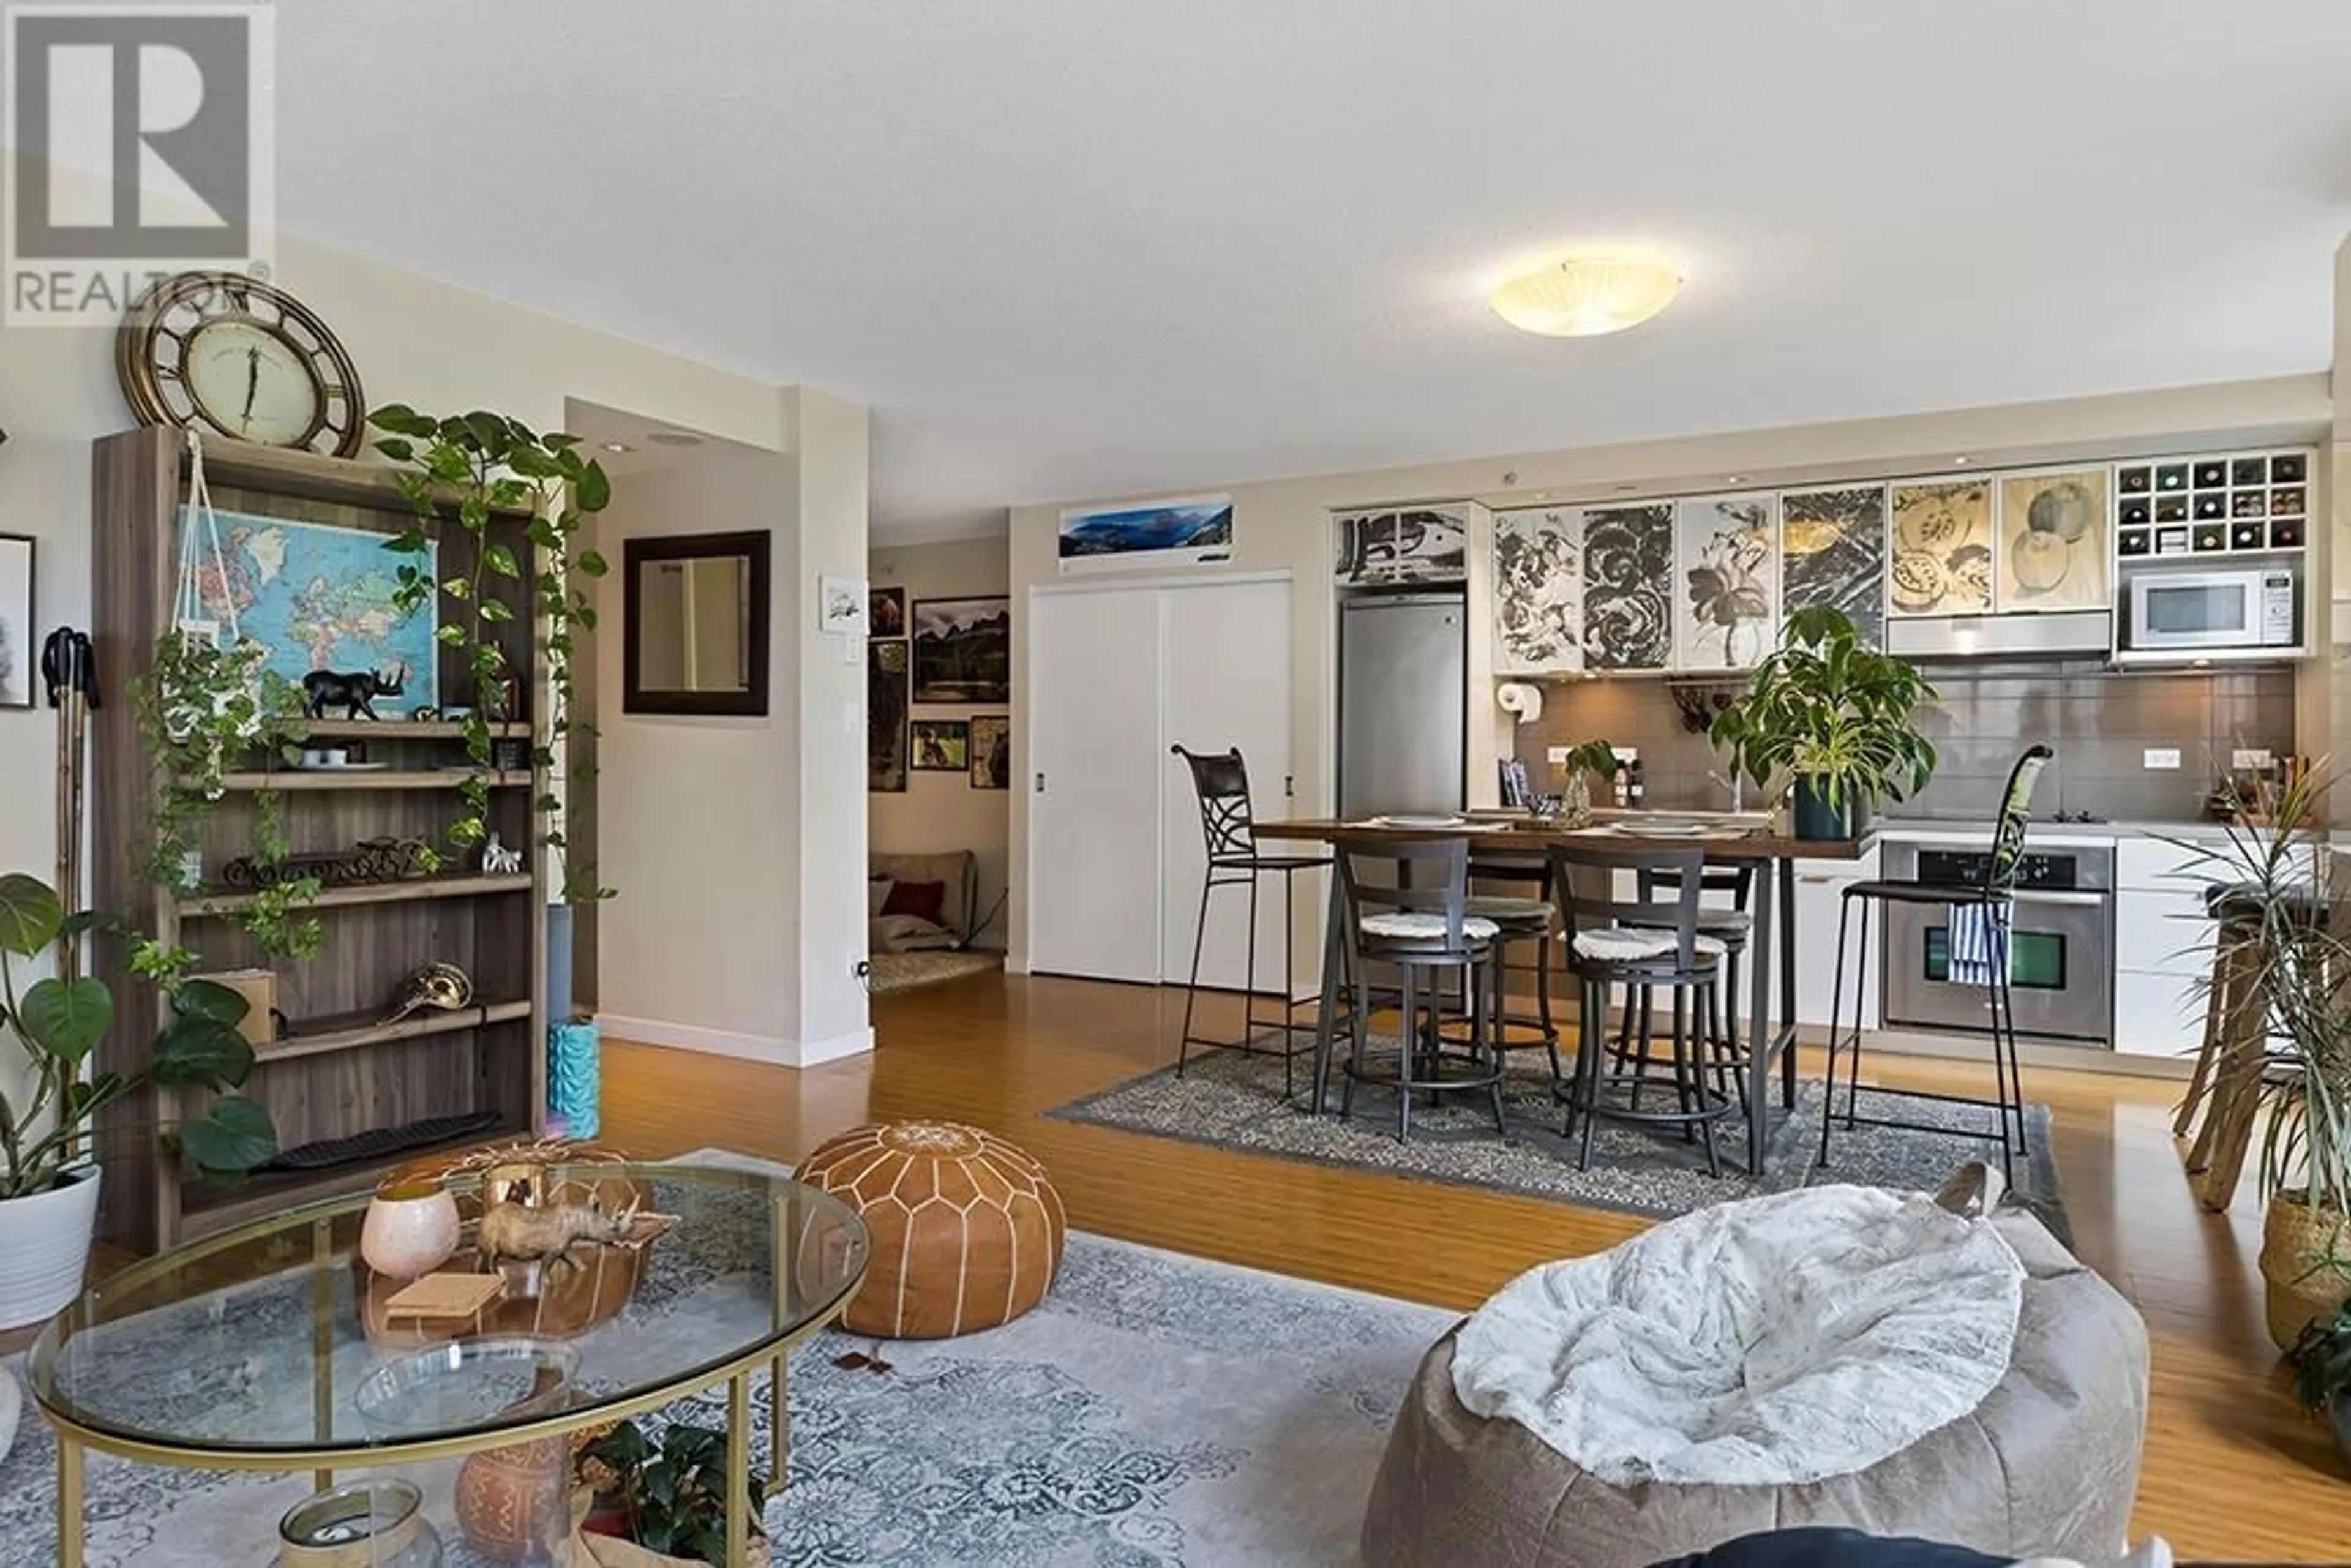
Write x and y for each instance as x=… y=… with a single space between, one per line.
x=1234 y=860
x=1408 y=907
x=1729 y=927
x=1643 y=947
x=1529 y=919
x=1979 y=915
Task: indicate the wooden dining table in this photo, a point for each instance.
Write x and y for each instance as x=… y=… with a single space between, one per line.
x=1771 y=944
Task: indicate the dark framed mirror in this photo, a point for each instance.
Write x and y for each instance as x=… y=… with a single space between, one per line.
x=695 y=624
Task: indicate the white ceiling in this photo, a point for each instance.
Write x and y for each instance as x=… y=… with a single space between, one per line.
x=1079 y=247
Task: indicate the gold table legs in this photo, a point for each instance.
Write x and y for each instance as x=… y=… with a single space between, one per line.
x=738 y=1468
x=70 y=1457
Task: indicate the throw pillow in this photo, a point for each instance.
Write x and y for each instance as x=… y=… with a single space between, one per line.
x=924 y=899
x=877 y=894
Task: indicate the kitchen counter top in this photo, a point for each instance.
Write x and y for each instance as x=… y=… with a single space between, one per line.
x=1916 y=829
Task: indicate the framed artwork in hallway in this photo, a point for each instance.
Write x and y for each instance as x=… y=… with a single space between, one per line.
x=886 y=612
x=963 y=650
x=991 y=752
x=885 y=717
x=939 y=744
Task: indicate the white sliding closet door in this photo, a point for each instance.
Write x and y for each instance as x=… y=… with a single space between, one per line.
x=1227 y=683
x=1097 y=773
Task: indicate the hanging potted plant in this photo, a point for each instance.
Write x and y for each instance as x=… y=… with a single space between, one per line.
x=475 y=467
x=1831 y=718
x=48 y=1173
x=2296 y=959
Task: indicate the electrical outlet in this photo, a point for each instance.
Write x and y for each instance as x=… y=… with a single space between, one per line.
x=2246 y=757
x=2162 y=758
x=1558 y=755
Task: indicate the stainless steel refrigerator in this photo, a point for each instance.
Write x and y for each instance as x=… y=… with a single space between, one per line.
x=1403 y=662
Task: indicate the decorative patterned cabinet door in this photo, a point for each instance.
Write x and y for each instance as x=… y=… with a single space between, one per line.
x=1725 y=580
x=2053 y=545
x=1942 y=549
x=1833 y=551
x=1402 y=545
x=1538 y=591
x=1628 y=589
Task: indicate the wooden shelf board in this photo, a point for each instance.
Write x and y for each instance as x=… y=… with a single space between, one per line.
x=359 y=481
x=402 y=729
x=203 y=904
x=367 y=779
x=209 y=1207
x=351 y=1031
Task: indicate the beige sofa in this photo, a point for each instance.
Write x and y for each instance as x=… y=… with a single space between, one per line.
x=956 y=871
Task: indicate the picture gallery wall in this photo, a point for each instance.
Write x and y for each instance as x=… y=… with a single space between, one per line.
x=937 y=652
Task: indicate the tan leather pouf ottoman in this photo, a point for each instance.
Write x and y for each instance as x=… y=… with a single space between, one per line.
x=966 y=1228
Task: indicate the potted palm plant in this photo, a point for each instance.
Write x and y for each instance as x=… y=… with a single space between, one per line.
x=1833 y=718
x=49 y=1172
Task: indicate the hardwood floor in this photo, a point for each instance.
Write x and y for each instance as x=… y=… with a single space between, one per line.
x=2232 y=1470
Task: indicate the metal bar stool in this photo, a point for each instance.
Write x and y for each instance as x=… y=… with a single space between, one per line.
x=1516 y=919
x=1730 y=927
x=1985 y=907
x=1229 y=834
x=1644 y=946
x=1407 y=906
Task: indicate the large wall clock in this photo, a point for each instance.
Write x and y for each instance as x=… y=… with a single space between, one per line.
x=229 y=354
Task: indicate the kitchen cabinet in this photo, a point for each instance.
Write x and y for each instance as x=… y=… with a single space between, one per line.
x=2163 y=938
x=1819 y=894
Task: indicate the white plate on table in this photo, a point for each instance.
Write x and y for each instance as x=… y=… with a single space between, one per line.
x=1428 y=822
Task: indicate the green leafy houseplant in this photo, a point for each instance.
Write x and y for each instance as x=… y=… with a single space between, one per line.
x=50 y=1128
x=1833 y=718
x=2321 y=1359
x=477 y=465
x=669 y=1498
x=203 y=706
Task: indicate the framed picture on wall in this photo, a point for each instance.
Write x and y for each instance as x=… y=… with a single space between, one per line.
x=885 y=717
x=963 y=650
x=939 y=744
x=19 y=654
x=991 y=751
x=886 y=612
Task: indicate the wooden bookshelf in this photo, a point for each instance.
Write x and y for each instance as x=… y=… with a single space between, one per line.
x=343 y=1070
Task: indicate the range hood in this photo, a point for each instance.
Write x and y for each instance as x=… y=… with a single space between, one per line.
x=2051 y=634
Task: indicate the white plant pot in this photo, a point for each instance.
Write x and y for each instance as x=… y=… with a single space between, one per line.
x=45 y=1247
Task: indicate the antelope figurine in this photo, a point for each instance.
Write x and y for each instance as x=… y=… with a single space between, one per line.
x=546 y=1236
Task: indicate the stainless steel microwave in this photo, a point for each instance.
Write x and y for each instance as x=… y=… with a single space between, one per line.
x=2242 y=607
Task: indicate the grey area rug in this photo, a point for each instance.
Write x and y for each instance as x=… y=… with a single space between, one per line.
x=1156 y=1409
x=1234 y=1101
x=895 y=972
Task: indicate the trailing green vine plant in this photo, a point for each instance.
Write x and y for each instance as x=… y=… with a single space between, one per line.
x=477 y=465
x=201 y=708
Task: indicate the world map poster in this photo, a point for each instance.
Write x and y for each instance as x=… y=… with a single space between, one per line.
x=320 y=598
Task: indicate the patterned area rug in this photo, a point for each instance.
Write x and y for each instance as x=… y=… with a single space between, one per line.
x=895 y=972
x=1158 y=1410
x=1234 y=1101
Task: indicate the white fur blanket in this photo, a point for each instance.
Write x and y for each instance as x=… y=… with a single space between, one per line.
x=1774 y=1341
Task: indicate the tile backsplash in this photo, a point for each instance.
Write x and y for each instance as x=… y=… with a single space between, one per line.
x=2099 y=722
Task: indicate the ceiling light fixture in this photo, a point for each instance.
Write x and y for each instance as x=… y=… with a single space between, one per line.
x=1734 y=478
x=616 y=446
x=1583 y=297
x=1961 y=461
x=673 y=438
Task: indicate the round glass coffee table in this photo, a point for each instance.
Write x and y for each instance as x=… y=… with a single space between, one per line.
x=273 y=1347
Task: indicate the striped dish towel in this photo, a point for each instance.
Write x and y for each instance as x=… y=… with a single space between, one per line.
x=1974 y=944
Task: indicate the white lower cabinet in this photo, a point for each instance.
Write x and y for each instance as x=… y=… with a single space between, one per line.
x=1819 y=893
x=2158 y=1014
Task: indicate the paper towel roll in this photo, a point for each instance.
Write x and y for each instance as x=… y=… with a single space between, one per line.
x=1520 y=700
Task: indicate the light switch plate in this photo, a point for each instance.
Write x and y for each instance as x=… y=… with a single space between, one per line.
x=2250 y=756
x=1558 y=755
x=2163 y=758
